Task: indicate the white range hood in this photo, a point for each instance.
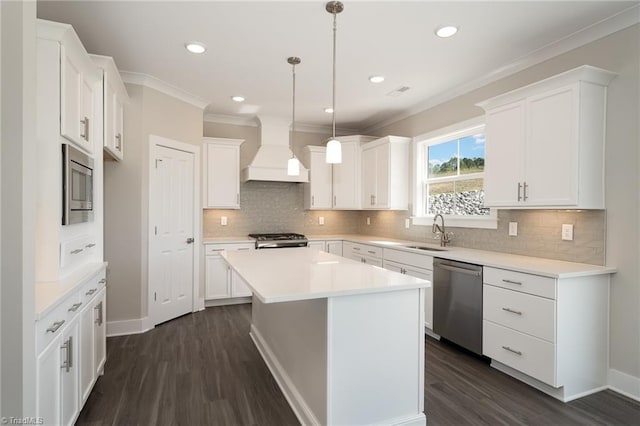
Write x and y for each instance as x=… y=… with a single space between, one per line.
x=270 y=162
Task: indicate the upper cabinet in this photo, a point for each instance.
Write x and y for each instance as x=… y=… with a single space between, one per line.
x=114 y=96
x=318 y=192
x=221 y=173
x=385 y=174
x=545 y=143
x=80 y=86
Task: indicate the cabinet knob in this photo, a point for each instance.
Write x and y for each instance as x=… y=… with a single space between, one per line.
x=190 y=240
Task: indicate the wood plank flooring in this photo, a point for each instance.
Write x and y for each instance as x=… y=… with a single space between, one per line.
x=202 y=369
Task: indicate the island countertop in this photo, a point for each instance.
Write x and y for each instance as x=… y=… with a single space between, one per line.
x=289 y=274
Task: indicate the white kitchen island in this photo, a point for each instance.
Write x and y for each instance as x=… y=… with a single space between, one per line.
x=343 y=339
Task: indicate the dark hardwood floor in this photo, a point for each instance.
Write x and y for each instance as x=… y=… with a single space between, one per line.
x=202 y=369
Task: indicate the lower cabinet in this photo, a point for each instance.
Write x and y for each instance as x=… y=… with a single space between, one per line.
x=71 y=343
x=320 y=245
x=220 y=282
x=364 y=253
x=334 y=247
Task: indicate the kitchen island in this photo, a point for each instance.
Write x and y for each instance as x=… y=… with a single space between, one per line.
x=344 y=340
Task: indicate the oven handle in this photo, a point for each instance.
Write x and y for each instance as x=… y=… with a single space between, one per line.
x=460 y=270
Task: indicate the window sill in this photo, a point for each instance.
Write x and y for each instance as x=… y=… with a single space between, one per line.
x=490 y=222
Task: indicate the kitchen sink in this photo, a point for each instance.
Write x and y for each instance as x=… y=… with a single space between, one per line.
x=426 y=248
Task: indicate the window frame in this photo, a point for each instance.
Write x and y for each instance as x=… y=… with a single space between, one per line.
x=445 y=134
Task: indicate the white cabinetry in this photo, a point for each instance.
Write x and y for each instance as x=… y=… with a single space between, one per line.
x=114 y=96
x=221 y=173
x=318 y=192
x=347 y=175
x=220 y=282
x=414 y=265
x=319 y=245
x=385 y=174
x=70 y=343
x=550 y=333
x=364 y=253
x=334 y=247
x=556 y=124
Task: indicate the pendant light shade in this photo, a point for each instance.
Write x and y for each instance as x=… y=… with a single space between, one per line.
x=293 y=165
x=334 y=147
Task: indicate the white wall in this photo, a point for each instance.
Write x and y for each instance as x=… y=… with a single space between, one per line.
x=17 y=201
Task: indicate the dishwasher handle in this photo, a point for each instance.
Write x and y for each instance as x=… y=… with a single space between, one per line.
x=473 y=272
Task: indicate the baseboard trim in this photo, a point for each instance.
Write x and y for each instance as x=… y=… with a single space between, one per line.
x=297 y=403
x=624 y=384
x=126 y=327
x=224 y=302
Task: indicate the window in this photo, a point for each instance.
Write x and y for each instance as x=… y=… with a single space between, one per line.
x=450 y=166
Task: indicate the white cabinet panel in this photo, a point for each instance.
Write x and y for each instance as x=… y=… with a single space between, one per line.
x=334 y=247
x=100 y=333
x=48 y=383
x=69 y=393
x=87 y=337
x=519 y=281
x=239 y=287
x=221 y=173
x=385 y=174
x=318 y=192
x=414 y=271
x=217 y=278
x=319 y=245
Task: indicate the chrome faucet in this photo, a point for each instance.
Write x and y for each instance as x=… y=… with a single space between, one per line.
x=444 y=236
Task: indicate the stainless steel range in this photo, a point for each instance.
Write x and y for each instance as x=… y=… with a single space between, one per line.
x=282 y=240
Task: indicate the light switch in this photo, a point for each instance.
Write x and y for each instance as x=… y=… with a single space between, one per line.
x=567 y=232
x=223 y=220
x=407 y=223
x=368 y=221
x=513 y=229
x=321 y=220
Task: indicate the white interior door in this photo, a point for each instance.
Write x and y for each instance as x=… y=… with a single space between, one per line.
x=171 y=215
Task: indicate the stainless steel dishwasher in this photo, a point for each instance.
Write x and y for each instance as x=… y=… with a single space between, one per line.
x=457 y=303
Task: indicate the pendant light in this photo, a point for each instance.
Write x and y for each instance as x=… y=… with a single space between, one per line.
x=334 y=147
x=293 y=165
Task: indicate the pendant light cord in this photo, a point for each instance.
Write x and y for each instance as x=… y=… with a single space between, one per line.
x=293 y=114
x=334 y=74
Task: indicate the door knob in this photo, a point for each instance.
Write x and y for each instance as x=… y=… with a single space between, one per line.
x=190 y=240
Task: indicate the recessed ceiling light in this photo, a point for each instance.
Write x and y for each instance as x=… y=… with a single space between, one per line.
x=237 y=98
x=376 y=78
x=195 y=47
x=446 y=31
x=328 y=110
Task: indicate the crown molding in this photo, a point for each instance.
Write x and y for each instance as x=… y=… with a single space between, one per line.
x=253 y=122
x=604 y=28
x=162 y=86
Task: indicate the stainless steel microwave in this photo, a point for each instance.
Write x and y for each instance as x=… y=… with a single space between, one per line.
x=77 y=186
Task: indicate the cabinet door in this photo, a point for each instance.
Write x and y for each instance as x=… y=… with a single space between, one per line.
x=118 y=116
x=505 y=130
x=373 y=261
x=100 y=333
x=382 y=176
x=69 y=375
x=334 y=247
x=109 y=94
x=320 y=245
x=346 y=179
x=238 y=286
x=86 y=349
x=320 y=182
x=369 y=178
x=551 y=155
x=87 y=115
x=428 y=292
x=217 y=278
x=70 y=98
x=223 y=177
x=48 y=373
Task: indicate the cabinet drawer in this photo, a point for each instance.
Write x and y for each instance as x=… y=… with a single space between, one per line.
x=413 y=259
x=210 y=249
x=530 y=355
x=53 y=324
x=91 y=288
x=367 y=250
x=522 y=312
x=527 y=283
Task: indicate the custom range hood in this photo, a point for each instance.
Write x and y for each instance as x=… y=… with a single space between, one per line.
x=270 y=162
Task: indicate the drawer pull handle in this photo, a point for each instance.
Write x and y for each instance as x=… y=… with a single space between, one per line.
x=357 y=248
x=90 y=292
x=56 y=325
x=102 y=281
x=512 y=282
x=512 y=311
x=90 y=245
x=74 y=307
x=371 y=252
x=244 y=248
x=76 y=251
x=507 y=348
x=217 y=249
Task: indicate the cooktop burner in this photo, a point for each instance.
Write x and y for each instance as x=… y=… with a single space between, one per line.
x=279 y=240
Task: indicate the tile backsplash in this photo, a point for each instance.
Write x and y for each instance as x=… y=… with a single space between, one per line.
x=278 y=207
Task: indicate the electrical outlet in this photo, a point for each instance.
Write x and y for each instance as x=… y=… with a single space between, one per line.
x=223 y=220
x=567 y=232
x=513 y=229
x=321 y=220
x=368 y=221
x=407 y=223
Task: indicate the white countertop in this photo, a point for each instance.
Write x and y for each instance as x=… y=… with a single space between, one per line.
x=50 y=294
x=290 y=274
x=528 y=264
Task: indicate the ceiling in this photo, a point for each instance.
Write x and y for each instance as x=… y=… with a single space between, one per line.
x=249 y=43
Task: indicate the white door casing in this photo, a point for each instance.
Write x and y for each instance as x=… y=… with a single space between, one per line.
x=173 y=229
